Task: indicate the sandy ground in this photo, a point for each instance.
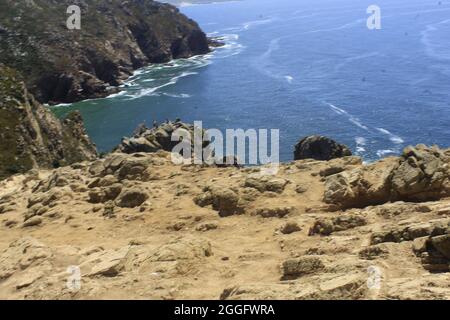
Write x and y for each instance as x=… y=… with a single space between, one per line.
x=171 y=248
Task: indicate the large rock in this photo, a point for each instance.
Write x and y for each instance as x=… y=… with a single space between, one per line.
x=420 y=174
x=327 y=226
x=434 y=251
x=266 y=183
x=224 y=200
x=347 y=286
x=411 y=232
x=361 y=187
x=294 y=268
x=320 y=148
x=31 y=136
x=423 y=174
x=153 y=139
x=131 y=198
x=159 y=138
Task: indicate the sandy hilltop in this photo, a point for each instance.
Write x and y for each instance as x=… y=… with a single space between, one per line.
x=131 y=224
x=136 y=226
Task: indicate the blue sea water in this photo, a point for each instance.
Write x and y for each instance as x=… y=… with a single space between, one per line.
x=304 y=67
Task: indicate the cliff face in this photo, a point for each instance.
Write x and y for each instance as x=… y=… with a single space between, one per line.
x=31 y=136
x=116 y=37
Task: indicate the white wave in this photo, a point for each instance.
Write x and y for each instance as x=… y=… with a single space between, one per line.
x=394 y=138
x=129 y=84
x=337 y=109
x=184 y=74
x=350 y=117
x=153 y=90
x=229 y=37
x=289 y=79
x=150 y=91
x=360 y=149
x=60 y=105
x=265 y=66
x=358 y=123
x=250 y=24
x=360 y=143
x=435 y=50
x=137 y=73
x=117 y=94
x=181 y=95
x=382 y=153
x=231 y=48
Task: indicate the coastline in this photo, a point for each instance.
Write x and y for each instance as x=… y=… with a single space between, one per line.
x=215 y=44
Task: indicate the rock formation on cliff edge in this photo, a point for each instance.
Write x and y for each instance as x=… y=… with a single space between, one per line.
x=116 y=37
x=320 y=148
x=31 y=136
x=139 y=227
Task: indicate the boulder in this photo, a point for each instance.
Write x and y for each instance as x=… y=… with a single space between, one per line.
x=131 y=198
x=329 y=225
x=420 y=174
x=34 y=221
x=290 y=227
x=278 y=212
x=223 y=199
x=411 y=232
x=320 y=148
x=434 y=251
x=102 y=195
x=266 y=183
x=294 y=268
x=347 y=286
x=374 y=252
x=157 y=138
x=184 y=248
x=442 y=245
x=361 y=187
x=108 y=263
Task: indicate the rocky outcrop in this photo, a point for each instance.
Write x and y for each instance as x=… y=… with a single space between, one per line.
x=421 y=173
x=434 y=251
x=31 y=136
x=341 y=223
x=157 y=138
x=222 y=199
x=116 y=37
x=411 y=232
x=320 y=148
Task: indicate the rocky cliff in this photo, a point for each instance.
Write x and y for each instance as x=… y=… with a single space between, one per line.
x=31 y=136
x=139 y=227
x=116 y=37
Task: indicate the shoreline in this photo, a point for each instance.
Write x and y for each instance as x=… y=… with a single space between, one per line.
x=215 y=44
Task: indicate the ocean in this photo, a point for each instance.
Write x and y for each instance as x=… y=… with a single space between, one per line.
x=303 y=67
